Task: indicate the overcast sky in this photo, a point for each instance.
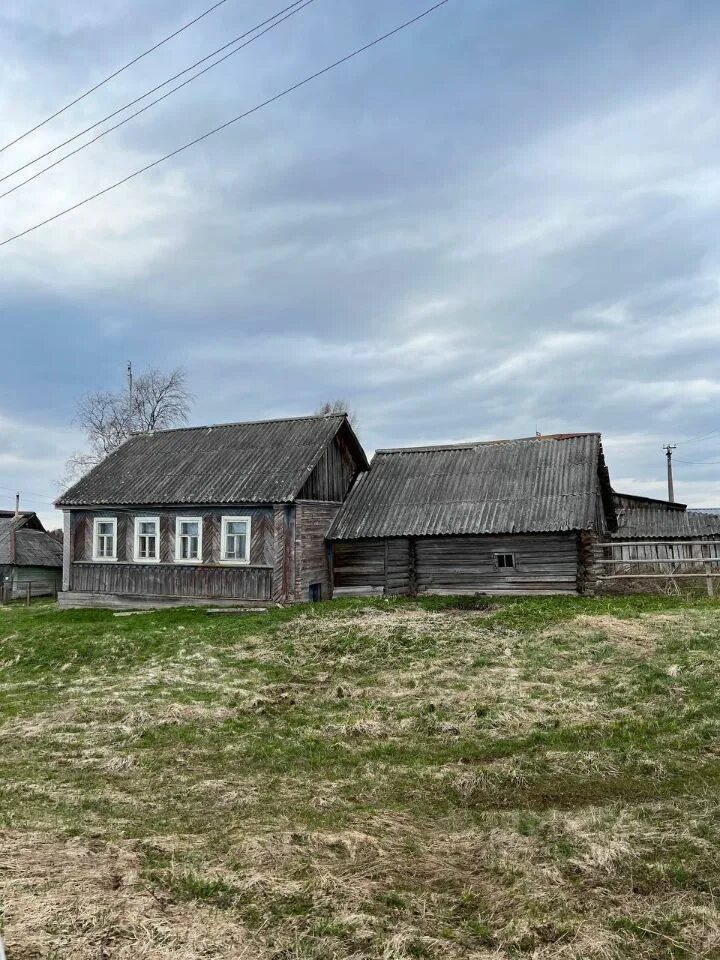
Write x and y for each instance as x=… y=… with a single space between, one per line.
x=503 y=219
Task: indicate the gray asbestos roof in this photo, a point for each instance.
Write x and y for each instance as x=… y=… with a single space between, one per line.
x=535 y=485
x=641 y=518
x=32 y=548
x=261 y=462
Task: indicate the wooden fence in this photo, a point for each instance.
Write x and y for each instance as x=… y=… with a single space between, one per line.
x=667 y=560
x=27 y=589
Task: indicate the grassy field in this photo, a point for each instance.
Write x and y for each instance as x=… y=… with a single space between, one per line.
x=387 y=779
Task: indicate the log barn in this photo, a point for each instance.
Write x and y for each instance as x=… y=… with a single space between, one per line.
x=512 y=516
x=227 y=514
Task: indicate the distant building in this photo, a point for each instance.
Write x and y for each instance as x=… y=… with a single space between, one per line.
x=28 y=555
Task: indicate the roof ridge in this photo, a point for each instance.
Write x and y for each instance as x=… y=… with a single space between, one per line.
x=472 y=444
x=240 y=423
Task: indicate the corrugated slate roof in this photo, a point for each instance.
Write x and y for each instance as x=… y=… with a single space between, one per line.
x=640 y=518
x=535 y=485
x=32 y=548
x=260 y=462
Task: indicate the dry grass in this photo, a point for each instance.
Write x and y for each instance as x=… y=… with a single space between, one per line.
x=360 y=780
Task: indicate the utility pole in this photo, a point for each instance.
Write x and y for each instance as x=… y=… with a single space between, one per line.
x=668 y=448
x=130 y=393
x=17 y=504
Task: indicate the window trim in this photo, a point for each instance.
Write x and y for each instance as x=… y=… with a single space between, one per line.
x=223 y=540
x=136 y=540
x=505 y=553
x=178 y=557
x=96 y=558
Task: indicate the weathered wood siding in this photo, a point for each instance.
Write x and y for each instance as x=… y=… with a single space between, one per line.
x=333 y=475
x=283 y=585
x=312 y=554
x=546 y=563
x=262 y=532
x=173 y=580
x=168 y=578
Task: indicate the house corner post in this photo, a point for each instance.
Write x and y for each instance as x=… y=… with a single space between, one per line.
x=587 y=567
x=67 y=551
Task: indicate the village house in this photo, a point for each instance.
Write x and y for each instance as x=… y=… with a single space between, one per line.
x=234 y=513
x=30 y=557
x=290 y=511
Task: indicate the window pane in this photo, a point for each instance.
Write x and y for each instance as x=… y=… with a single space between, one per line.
x=236 y=526
x=104 y=528
x=147 y=527
x=189 y=528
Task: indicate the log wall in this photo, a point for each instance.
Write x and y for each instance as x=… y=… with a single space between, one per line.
x=312 y=556
x=545 y=563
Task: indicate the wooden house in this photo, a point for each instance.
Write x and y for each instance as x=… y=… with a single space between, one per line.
x=30 y=557
x=515 y=516
x=234 y=513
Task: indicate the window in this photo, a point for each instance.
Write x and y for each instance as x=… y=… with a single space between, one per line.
x=505 y=560
x=235 y=540
x=105 y=538
x=188 y=539
x=147 y=539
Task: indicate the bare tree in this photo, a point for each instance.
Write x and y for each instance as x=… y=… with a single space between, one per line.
x=157 y=401
x=338 y=406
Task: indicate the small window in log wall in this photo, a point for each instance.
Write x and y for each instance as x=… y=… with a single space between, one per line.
x=504 y=561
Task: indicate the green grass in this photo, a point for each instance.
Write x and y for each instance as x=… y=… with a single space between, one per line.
x=440 y=778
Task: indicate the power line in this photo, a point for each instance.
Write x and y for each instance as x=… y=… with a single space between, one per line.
x=28 y=495
x=152 y=103
x=147 y=93
x=698 y=463
x=706 y=436
x=112 y=76
x=227 y=124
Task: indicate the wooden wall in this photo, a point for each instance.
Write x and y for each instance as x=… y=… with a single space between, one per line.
x=173 y=580
x=262 y=532
x=546 y=563
x=168 y=578
x=334 y=474
x=312 y=554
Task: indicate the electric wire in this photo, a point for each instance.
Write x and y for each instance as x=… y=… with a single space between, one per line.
x=159 y=86
x=104 y=133
x=224 y=126
x=112 y=76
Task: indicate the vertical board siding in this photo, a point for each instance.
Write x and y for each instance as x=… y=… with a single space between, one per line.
x=167 y=580
x=333 y=475
x=314 y=519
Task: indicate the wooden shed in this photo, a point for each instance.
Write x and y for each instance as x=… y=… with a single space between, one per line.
x=512 y=516
x=30 y=557
x=226 y=514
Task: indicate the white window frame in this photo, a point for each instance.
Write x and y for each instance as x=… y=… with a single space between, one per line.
x=178 y=527
x=223 y=540
x=96 y=557
x=136 y=540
